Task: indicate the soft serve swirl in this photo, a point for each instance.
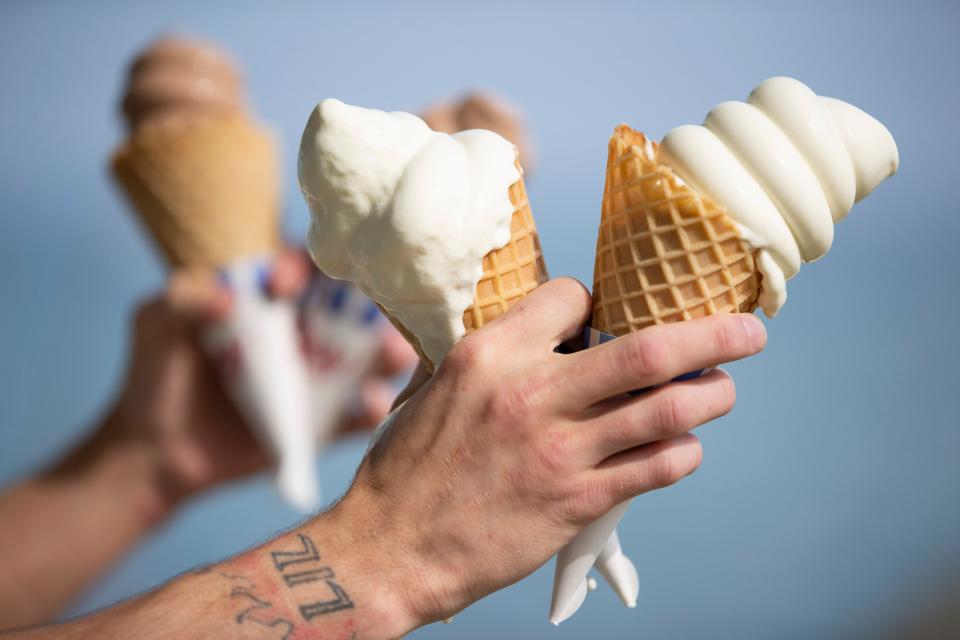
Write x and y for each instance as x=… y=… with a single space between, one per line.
x=405 y=212
x=787 y=164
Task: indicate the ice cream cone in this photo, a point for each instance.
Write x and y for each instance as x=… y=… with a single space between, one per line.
x=665 y=253
x=789 y=165
x=205 y=187
x=509 y=273
x=484 y=110
x=203 y=177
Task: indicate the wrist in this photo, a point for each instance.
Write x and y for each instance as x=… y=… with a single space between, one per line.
x=119 y=469
x=376 y=581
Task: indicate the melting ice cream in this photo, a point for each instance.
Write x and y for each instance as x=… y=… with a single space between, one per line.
x=405 y=212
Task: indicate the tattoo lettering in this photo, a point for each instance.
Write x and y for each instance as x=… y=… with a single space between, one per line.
x=311 y=573
x=283 y=559
x=340 y=601
x=283 y=628
x=255 y=611
x=293 y=579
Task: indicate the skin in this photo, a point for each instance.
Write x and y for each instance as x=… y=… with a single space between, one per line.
x=488 y=469
x=170 y=434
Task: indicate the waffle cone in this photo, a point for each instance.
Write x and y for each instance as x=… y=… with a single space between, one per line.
x=664 y=252
x=509 y=273
x=206 y=188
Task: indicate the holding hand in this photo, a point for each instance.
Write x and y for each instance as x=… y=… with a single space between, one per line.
x=488 y=469
x=512 y=448
x=173 y=401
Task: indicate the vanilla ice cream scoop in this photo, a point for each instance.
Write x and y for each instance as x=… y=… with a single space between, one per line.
x=787 y=164
x=405 y=212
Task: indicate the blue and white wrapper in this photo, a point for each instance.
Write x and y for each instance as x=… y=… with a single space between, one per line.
x=257 y=352
x=340 y=330
x=598 y=545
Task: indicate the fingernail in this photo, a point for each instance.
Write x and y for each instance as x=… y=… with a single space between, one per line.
x=756 y=332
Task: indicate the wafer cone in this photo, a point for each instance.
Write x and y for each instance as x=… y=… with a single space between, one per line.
x=509 y=273
x=665 y=253
x=205 y=187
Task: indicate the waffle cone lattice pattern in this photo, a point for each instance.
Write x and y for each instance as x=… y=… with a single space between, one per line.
x=664 y=252
x=206 y=188
x=511 y=272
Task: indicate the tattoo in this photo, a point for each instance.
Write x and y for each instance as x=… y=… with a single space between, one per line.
x=262 y=610
x=283 y=559
x=256 y=610
x=315 y=572
x=339 y=601
x=284 y=628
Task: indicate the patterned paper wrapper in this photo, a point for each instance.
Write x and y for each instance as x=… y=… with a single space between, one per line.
x=257 y=352
x=340 y=332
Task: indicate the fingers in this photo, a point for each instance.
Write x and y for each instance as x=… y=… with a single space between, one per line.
x=672 y=410
x=553 y=312
x=197 y=295
x=194 y=295
x=290 y=273
x=655 y=355
x=648 y=467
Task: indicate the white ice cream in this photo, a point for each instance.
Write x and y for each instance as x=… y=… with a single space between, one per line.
x=405 y=212
x=787 y=164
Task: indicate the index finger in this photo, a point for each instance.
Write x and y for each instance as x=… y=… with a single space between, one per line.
x=290 y=272
x=552 y=313
x=196 y=296
x=655 y=355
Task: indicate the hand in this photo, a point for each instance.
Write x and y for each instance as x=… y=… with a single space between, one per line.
x=173 y=403
x=486 y=471
x=511 y=448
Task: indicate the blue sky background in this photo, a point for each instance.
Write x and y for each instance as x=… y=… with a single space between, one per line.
x=828 y=504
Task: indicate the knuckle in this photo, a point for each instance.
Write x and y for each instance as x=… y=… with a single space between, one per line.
x=728 y=337
x=589 y=500
x=644 y=356
x=672 y=465
x=662 y=470
x=554 y=451
x=573 y=292
x=674 y=413
x=521 y=401
x=622 y=428
x=476 y=352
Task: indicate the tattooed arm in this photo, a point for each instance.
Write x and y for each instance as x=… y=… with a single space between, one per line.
x=483 y=474
x=171 y=434
x=300 y=586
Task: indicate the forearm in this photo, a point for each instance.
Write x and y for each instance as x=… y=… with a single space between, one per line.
x=63 y=529
x=317 y=581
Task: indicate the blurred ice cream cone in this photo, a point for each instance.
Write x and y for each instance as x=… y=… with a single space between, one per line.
x=483 y=110
x=202 y=175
